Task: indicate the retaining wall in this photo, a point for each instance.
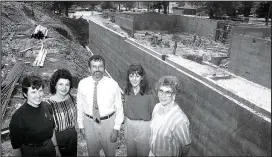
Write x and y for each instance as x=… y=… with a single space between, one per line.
x=220 y=124
x=198 y=26
x=155 y=21
x=250 y=56
x=262 y=32
x=163 y=22
x=125 y=22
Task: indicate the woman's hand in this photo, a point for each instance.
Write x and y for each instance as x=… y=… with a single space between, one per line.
x=57 y=151
x=17 y=152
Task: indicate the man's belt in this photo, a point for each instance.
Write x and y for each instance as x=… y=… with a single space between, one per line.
x=38 y=145
x=101 y=118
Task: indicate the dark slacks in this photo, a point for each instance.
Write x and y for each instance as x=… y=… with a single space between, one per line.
x=46 y=150
x=67 y=142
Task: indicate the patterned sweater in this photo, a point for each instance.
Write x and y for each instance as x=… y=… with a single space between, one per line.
x=64 y=113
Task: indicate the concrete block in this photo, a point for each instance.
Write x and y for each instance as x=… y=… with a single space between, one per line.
x=257 y=131
x=225 y=118
x=199 y=127
x=198 y=146
x=194 y=151
x=214 y=137
x=224 y=103
x=201 y=138
x=213 y=149
x=186 y=105
x=243 y=146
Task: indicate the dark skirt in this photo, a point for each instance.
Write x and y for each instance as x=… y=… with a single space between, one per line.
x=46 y=150
x=67 y=142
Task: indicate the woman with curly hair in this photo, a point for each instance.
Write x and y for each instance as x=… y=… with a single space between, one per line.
x=63 y=109
x=170 y=133
x=138 y=106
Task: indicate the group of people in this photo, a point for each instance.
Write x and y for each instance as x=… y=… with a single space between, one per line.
x=154 y=124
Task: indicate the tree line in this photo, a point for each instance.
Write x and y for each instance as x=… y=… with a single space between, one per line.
x=214 y=9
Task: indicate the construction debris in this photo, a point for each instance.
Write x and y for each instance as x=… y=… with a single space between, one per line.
x=40 y=32
x=9 y=83
x=40 y=57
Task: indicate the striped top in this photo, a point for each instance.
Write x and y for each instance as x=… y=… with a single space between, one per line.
x=172 y=134
x=64 y=113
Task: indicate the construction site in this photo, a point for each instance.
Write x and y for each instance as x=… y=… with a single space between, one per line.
x=224 y=68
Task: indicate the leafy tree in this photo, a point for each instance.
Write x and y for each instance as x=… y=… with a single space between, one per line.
x=216 y=9
x=263 y=9
x=157 y=5
x=67 y=5
x=245 y=8
x=107 y=5
x=129 y=5
x=59 y=6
x=231 y=8
x=180 y=4
x=119 y=4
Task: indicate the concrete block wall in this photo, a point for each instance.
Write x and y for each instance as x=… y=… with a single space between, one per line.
x=198 y=26
x=125 y=21
x=250 y=58
x=162 y=22
x=220 y=124
x=261 y=32
x=154 y=21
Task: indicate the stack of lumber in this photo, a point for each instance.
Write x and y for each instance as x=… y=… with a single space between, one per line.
x=9 y=83
x=39 y=61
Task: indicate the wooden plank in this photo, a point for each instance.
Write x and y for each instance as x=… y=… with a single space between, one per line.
x=39 y=57
x=42 y=58
x=12 y=74
x=4 y=131
x=4 y=106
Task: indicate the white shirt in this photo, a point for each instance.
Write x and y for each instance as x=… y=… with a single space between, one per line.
x=108 y=99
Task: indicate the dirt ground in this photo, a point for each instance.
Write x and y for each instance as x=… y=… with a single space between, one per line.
x=188 y=46
x=65 y=46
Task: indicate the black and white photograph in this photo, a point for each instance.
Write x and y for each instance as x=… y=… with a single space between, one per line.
x=135 y=78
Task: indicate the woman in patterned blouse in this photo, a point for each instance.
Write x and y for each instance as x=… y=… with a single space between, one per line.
x=63 y=109
x=170 y=133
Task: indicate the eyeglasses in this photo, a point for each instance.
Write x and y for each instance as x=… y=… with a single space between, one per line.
x=166 y=93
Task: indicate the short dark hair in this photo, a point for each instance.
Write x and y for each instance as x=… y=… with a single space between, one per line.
x=96 y=58
x=60 y=73
x=171 y=81
x=31 y=81
x=144 y=85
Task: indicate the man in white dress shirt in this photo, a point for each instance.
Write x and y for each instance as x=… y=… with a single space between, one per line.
x=100 y=109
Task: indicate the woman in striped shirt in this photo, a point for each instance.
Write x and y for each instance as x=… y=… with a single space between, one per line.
x=170 y=133
x=63 y=109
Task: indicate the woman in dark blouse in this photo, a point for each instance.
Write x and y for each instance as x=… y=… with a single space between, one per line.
x=138 y=106
x=63 y=108
x=32 y=126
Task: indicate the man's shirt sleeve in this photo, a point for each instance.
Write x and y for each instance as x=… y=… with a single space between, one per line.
x=119 y=108
x=79 y=107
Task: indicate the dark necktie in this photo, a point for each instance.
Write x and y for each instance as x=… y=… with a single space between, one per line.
x=96 y=115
